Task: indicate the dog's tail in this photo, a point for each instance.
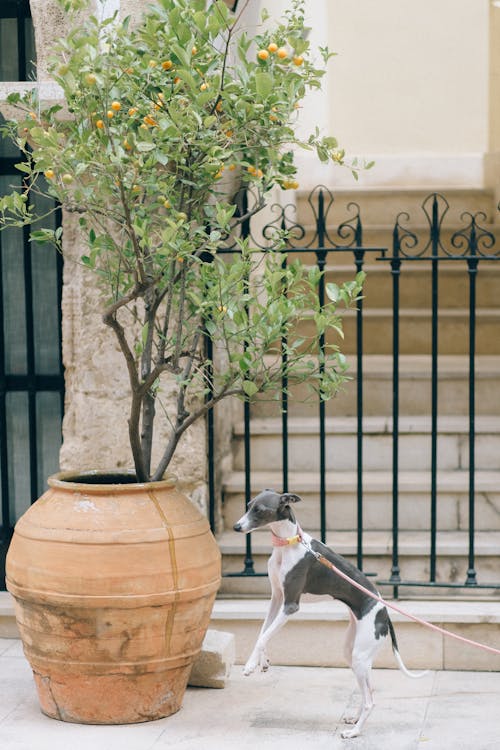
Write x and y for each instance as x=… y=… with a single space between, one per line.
x=401 y=665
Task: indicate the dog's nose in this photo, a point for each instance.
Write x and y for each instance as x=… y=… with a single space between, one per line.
x=237 y=526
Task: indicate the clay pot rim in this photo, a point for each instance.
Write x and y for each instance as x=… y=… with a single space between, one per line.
x=75 y=480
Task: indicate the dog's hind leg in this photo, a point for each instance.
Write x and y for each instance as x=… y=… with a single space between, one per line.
x=348 y=649
x=366 y=644
x=362 y=671
x=349 y=638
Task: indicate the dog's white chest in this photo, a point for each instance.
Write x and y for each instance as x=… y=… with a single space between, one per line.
x=284 y=559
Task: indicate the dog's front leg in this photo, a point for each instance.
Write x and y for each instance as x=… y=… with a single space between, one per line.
x=260 y=659
x=259 y=651
x=274 y=608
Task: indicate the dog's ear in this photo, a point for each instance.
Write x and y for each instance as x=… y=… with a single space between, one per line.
x=288 y=497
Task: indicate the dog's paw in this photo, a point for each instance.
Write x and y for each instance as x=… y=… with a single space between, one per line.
x=250 y=667
x=350 y=719
x=348 y=734
x=257 y=661
x=264 y=663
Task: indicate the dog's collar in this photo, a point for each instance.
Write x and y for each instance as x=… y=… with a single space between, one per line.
x=280 y=541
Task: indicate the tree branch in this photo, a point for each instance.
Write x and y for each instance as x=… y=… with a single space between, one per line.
x=180 y=429
x=110 y=319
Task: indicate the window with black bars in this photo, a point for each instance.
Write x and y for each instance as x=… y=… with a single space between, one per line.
x=31 y=373
x=17 y=43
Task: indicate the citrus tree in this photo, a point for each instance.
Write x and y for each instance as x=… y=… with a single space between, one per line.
x=154 y=119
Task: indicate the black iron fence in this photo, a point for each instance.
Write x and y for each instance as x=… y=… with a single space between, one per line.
x=468 y=244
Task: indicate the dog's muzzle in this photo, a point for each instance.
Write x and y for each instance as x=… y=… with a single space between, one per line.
x=244 y=525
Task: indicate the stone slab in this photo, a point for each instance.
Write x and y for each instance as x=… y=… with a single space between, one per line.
x=213 y=664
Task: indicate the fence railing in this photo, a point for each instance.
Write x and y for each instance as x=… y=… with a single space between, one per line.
x=467 y=246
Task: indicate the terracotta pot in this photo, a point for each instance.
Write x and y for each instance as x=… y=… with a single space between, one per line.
x=114 y=583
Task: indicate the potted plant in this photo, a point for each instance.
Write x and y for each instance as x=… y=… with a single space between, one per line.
x=114 y=575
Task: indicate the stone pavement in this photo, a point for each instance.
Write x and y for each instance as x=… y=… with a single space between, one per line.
x=297 y=708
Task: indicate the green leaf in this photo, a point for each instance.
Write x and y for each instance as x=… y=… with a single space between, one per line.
x=250 y=388
x=183 y=33
x=183 y=56
x=145 y=146
x=332 y=291
x=264 y=83
x=14 y=98
x=244 y=363
x=23 y=167
x=338 y=328
x=211 y=327
x=330 y=142
x=222 y=10
x=299 y=44
x=43 y=236
x=200 y=19
x=186 y=76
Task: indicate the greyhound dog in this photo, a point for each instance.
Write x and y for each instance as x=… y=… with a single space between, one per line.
x=294 y=570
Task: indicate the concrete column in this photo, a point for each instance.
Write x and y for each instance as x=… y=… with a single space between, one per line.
x=49 y=23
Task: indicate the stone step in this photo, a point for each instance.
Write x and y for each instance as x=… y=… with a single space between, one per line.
x=341 y=443
x=415 y=327
x=315 y=635
x=414 y=386
x=383 y=205
x=414 y=554
x=415 y=285
x=341 y=508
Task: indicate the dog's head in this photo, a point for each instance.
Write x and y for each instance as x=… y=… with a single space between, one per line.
x=267 y=507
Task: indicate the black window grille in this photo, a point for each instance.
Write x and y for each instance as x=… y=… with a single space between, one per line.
x=31 y=372
x=17 y=42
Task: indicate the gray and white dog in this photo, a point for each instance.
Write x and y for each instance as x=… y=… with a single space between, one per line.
x=295 y=570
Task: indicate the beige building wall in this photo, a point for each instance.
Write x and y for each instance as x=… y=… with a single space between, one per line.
x=410 y=87
x=410 y=77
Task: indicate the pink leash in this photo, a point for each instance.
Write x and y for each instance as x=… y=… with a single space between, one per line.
x=378 y=598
